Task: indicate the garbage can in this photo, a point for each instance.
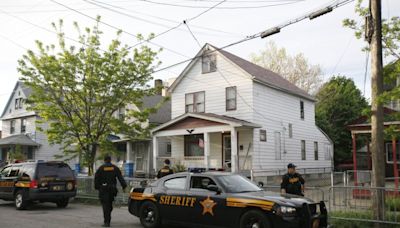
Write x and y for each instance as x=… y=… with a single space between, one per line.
x=129 y=169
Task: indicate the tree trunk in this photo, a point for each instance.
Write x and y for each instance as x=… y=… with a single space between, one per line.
x=377 y=131
x=92 y=159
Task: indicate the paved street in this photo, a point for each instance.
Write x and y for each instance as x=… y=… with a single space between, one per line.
x=75 y=215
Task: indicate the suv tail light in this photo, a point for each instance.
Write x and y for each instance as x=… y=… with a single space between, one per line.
x=33 y=184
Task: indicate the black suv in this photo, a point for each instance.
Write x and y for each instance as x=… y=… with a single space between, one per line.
x=37 y=181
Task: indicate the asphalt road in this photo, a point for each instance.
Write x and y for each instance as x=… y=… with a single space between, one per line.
x=75 y=215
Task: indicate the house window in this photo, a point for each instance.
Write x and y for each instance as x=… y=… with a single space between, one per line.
x=16 y=103
x=194 y=145
x=169 y=149
x=327 y=151
x=230 y=94
x=290 y=130
x=302 y=110
x=209 y=63
x=195 y=102
x=315 y=150
x=12 y=126
x=303 y=150
x=20 y=103
x=389 y=153
x=121 y=113
x=263 y=135
x=23 y=125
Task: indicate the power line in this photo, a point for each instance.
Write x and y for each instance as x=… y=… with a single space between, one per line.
x=190 y=31
x=116 y=28
x=366 y=69
x=222 y=7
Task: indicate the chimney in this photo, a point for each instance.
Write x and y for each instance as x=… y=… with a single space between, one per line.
x=158 y=83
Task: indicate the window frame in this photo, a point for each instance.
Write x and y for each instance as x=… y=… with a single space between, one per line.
x=302 y=110
x=263 y=132
x=229 y=99
x=185 y=142
x=23 y=126
x=174 y=178
x=194 y=102
x=316 y=151
x=206 y=61
x=303 y=150
x=388 y=146
x=12 y=126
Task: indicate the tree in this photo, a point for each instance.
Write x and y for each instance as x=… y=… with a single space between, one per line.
x=339 y=102
x=77 y=91
x=295 y=69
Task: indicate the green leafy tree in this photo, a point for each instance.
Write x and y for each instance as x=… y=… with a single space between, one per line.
x=77 y=91
x=295 y=69
x=17 y=154
x=339 y=102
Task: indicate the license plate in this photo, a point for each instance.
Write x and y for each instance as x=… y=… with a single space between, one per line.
x=57 y=188
x=315 y=223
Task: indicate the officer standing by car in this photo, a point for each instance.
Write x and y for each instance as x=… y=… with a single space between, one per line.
x=166 y=170
x=292 y=182
x=106 y=183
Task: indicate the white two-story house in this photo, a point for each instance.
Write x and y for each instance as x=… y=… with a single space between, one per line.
x=228 y=113
x=19 y=129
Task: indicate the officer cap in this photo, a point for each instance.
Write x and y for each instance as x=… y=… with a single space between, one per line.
x=291 y=165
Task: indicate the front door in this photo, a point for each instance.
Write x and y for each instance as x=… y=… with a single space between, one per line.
x=226 y=151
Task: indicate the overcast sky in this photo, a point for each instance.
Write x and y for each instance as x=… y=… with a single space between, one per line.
x=323 y=41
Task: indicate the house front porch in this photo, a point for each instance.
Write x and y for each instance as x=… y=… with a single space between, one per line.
x=207 y=141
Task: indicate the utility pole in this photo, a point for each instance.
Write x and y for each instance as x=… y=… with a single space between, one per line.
x=374 y=22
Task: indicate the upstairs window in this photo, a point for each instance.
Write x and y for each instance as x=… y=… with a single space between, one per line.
x=195 y=102
x=121 y=113
x=18 y=103
x=302 y=110
x=23 y=125
x=315 y=150
x=208 y=63
x=230 y=94
x=303 y=150
x=12 y=126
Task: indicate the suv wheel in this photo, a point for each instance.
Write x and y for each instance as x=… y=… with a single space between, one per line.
x=254 y=219
x=20 y=200
x=63 y=203
x=149 y=215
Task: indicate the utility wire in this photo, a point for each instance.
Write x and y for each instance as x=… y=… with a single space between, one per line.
x=190 y=31
x=366 y=69
x=116 y=28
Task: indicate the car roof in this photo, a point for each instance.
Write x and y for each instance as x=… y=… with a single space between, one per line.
x=207 y=173
x=36 y=162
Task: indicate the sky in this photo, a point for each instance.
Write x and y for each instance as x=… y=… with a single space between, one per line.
x=323 y=41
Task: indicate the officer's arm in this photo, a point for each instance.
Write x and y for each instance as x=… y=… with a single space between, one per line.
x=159 y=174
x=120 y=178
x=284 y=184
x=97 y=179
x=302 y=181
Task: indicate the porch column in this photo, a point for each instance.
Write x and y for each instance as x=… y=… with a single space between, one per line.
x=128 y=152
x=207 y=148
x=395 y=170
x=234 y=151
x=353 y=135
x=155 y=153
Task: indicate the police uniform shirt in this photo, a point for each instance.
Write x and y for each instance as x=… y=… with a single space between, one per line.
x=292 y=183
x=106 y=177
x=166 y=170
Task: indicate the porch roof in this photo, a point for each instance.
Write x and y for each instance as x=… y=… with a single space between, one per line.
x=20 y=139
x=211 y=119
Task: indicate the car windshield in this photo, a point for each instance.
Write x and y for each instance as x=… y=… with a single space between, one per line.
x=56 y=170
x=237 y=184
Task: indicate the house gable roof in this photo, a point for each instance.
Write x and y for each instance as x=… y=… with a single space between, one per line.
x=163 y=114
x=25 y=89
x=258 y=74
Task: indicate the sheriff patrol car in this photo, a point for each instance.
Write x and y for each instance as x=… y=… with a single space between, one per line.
x=37 y=181
x=217 y=199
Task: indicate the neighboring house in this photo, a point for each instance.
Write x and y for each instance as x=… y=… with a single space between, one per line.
x=19 y=129
x=228 y=113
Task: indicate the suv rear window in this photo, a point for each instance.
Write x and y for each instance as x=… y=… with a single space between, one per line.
x=56 y=170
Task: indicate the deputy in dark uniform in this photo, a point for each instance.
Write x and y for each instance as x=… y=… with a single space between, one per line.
x=166 y=170
x=106 y=183
x=292 y=182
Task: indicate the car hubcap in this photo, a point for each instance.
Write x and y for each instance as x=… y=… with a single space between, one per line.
x=150 y=216
x=18 y=200
x=255 y=225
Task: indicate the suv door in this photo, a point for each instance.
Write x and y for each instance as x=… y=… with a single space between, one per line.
x=4 y=182
x=9 y=180
x=210 y=208
x=171 y=199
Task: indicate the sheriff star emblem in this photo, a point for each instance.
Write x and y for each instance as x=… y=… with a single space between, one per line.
x=208 y=206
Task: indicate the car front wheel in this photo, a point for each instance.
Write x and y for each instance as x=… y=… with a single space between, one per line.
x=63 y=203
x=149 y=215
x=20 y=200
x=254 y=219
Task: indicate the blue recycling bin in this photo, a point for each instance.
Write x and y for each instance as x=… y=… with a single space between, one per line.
x=77 y=168
x=129 y=169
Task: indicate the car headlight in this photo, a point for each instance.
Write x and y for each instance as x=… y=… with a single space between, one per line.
x=285 y=210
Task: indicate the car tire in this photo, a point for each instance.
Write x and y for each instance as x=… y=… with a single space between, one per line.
x=63 y=203
x=149 y=215
x=254 y=219
x=20 y=200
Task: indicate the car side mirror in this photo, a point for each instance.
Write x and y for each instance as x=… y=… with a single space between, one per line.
x=214 y=188
x=260 y=184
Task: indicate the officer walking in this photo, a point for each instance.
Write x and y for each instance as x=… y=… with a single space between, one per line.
x=106 y=183
x=166 y=170
x=292 y=182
